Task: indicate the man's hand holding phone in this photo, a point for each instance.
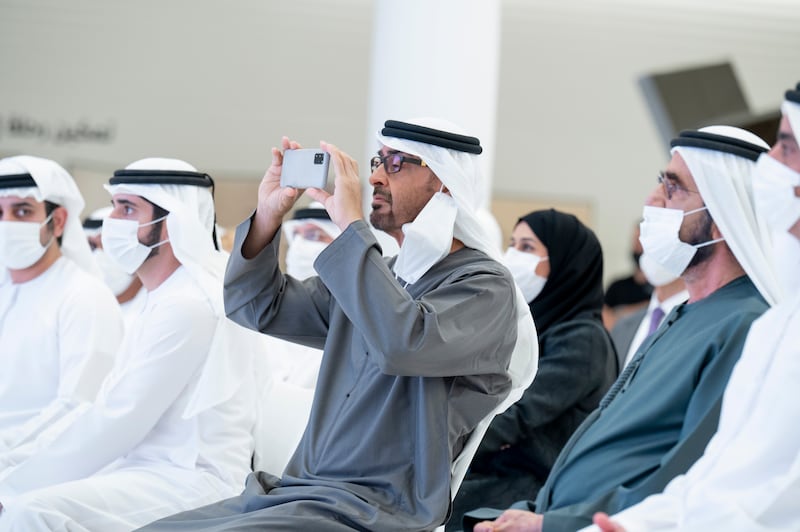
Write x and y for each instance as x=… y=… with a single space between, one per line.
x=344 y=205
x=274 y=202
x=288 y=177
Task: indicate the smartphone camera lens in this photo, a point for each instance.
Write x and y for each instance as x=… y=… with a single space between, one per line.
x=318 y=158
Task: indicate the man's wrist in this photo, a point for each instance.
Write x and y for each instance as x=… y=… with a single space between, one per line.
x=261 y=232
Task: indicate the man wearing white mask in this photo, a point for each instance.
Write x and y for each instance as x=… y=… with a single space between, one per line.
x=416 y=350
x=126 y=287
x=171 y=426
x=308 y=233
x=699 y=223
x=749 y=476
x=60 y=327
x=668 y=291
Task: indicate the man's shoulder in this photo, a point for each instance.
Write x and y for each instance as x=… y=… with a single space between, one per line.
x=726 y=314
x=67 y=280
x=739 y=297
x=468 y=261
x=181 y=293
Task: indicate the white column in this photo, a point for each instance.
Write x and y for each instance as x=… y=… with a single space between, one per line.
x=436 y=58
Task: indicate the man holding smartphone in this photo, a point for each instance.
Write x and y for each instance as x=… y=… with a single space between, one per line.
x=417 y=349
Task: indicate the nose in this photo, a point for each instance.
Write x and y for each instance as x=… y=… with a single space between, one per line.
x=116 y=212
x=378 y=177
x=657 y=197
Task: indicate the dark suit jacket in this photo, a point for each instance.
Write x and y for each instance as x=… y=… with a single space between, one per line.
x=623 y=332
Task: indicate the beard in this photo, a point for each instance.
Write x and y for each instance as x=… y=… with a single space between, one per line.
x=699 y=235
x=389 y=216
x=382 y=221
x=153 y=238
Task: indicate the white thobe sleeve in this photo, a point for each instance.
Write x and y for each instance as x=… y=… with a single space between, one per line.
x=158 y=361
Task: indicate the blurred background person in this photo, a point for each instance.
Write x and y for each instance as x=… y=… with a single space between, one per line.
x=308 y=232
x=558 y=264
x=627 y=294
x=225 y=237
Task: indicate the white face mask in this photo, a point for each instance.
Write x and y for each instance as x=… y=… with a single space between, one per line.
x=523 y=269
x=427 y=239
x=655 y=273
x=121 y=243
x=116 y=279
x=300 y=257
x=659 y=235
x=20 y=246
x=773 y=189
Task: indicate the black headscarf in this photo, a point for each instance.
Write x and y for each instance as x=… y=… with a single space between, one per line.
x=575 y=283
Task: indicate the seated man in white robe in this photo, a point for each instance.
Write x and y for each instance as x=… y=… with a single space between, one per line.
x=171 y=426
x=748 y=479
x=60 y=327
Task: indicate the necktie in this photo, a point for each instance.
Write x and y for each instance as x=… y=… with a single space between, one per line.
x=655 y=320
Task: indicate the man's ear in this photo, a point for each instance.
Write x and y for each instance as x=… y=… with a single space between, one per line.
x=59 y=221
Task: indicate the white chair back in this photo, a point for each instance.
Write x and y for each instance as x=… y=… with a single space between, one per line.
x=522 y=368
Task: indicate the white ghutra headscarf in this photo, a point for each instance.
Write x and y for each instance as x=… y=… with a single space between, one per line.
x=725 y=182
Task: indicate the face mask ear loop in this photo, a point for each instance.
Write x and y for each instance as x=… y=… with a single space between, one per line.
x=158 y=244
x=704 y=244
x=53 y=236
x=687 y=213
x=151 y=222
x=710 y=242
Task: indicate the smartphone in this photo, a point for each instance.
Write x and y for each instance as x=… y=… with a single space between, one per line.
x=305 y=168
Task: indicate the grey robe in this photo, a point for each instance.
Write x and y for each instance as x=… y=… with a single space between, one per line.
x=405 y=377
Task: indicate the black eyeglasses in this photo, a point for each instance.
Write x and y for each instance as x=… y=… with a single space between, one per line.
x=393 y=162
x=670 y=186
